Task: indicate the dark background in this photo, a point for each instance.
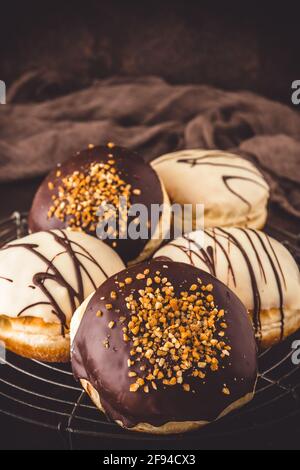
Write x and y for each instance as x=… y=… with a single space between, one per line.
x=69 y=44
x=231 y=45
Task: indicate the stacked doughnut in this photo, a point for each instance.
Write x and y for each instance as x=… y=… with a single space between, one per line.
x=165 y=345
x=164 y=348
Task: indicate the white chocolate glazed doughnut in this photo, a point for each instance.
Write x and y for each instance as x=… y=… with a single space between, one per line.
x=259 y=269
x=44 y=277
x=232 y=190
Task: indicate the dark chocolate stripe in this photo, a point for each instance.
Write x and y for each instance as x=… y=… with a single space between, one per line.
x=204 y=257
x=225 y=165
x=32 y=305
x=256 y=253
x=255 y=290
x=278 y=282
x=219 y=244
x=227 y=178
x=277 y=260
x=6 y=279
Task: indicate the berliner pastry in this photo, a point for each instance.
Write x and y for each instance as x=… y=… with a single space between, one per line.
x=103 y=187
x=231 y=189
x=44 y=277
x=164 y=348
x=259 y=269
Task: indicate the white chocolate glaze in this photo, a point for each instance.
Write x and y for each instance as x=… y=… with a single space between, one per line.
x=259 y=269
x=232 y=190
x=49 y=274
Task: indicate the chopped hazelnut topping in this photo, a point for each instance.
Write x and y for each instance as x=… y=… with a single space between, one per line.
x=177 y=336
x=132 y=374
x=140 y=276
x=137 y=192
x=134 y=387
x=226 y=391
x=128 y=280
x=82 y=193
x=111 y=324
x=99 y=313
x=154 y=385
x=108 y=306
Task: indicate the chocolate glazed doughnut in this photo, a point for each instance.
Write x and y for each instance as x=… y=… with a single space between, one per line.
x=164 y=347
x=72 y=194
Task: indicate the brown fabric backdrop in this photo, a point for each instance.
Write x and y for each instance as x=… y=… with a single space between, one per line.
x=153 y=117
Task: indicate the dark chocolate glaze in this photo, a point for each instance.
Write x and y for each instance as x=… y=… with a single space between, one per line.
x=107 y=370
x=130 y=166
x=206 y=256
x=76 y=296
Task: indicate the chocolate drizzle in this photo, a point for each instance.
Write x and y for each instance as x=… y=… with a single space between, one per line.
x=225 y=178
x=254 y=284
x=210 y=249
x=278 y=282
x=76 y=296
x=208 y=257
x=6 y=279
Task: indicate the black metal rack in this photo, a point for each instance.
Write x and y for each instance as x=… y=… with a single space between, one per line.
x=48 y=395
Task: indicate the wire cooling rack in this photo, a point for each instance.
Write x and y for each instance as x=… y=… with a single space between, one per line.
x=48 y=395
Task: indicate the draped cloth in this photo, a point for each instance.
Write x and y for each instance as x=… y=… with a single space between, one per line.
x=153 y=117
